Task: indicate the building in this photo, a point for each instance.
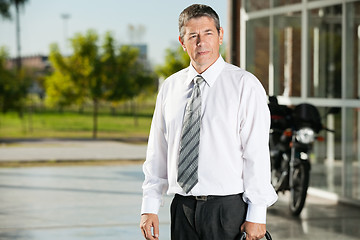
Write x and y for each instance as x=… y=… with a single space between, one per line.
x=38 y=65
x=309 y=51
x=39 y=62
x=143 y=50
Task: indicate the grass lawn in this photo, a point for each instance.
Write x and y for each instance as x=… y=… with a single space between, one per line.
x=74 y=125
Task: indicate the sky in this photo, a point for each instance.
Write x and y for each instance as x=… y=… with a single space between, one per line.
x=42 y=23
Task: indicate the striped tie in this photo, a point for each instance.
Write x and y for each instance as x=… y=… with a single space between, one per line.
x=190 y=138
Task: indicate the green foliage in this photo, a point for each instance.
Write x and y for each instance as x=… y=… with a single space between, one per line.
x=175 y=60
x=4 y=54
x=134 y=75
x=61 y=91
x=124 y=74
x=77 y=77
x=92 y=72
x=4 y=9
x=223 y=51
x=13 y=86
x=110 y=66
x=98 y=73
x=85 y=65
x=6 y=4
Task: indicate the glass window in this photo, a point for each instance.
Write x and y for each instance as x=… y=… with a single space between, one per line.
x=352 y=50
x=329 y=170
x=287 y=54
x=257 y=49
x=326 y=165
x=351 y=155
x=285 y=2
x=356 y=147
x=254 y=5
x=325 y=52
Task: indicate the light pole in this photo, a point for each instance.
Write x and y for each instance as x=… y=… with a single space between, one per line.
x=65 y=17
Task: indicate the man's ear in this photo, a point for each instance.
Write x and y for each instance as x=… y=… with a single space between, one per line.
x=221 y=35
x=182 y=43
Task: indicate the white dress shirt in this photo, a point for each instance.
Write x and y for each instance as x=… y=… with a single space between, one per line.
x=234 y=151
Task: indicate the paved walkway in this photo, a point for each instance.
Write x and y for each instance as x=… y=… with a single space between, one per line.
x=103 y=202
x=70 y=150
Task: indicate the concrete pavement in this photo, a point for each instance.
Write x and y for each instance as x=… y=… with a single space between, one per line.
x=68 y=203
x=70 y=150
x=103 y=202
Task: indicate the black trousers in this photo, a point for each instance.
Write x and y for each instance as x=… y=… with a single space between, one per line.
x=214 y=218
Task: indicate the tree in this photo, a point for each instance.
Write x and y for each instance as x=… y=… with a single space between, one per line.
x=96 y=73
x=134 y=76
x=13 y=87
x=127 y=75
x=77 y=77
x=5 y=12
x=61 y=91
x=175 y=60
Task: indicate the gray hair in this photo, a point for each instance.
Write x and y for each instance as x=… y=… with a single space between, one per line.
x=196 y=11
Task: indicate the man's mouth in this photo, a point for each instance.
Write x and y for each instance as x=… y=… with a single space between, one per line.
x=203 y=52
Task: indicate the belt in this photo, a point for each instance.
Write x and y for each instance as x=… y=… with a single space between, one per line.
x=209 y=197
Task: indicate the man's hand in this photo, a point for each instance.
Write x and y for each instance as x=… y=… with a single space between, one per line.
x=254 y=231
x=148 y=223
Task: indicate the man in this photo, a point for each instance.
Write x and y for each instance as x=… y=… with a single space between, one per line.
x=208 y=143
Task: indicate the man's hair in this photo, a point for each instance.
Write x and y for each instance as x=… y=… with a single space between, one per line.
x=196 y=11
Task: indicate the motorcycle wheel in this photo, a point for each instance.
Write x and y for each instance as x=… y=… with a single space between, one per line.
x=299 y=191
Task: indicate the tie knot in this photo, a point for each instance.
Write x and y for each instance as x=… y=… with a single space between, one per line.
x=198 y=79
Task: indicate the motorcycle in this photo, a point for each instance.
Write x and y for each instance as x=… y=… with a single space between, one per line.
x=292 y=135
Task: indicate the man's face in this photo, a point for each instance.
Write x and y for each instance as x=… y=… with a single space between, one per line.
x=202 y=42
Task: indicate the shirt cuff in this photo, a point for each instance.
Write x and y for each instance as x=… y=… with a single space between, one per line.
x=256 y=213
x=150 y=205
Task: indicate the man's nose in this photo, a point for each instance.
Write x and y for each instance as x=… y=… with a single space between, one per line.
x=199 y=40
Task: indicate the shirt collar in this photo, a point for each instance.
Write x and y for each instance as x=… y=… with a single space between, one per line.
x=210 y=75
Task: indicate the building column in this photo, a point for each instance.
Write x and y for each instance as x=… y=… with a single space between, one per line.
x=233 y=49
